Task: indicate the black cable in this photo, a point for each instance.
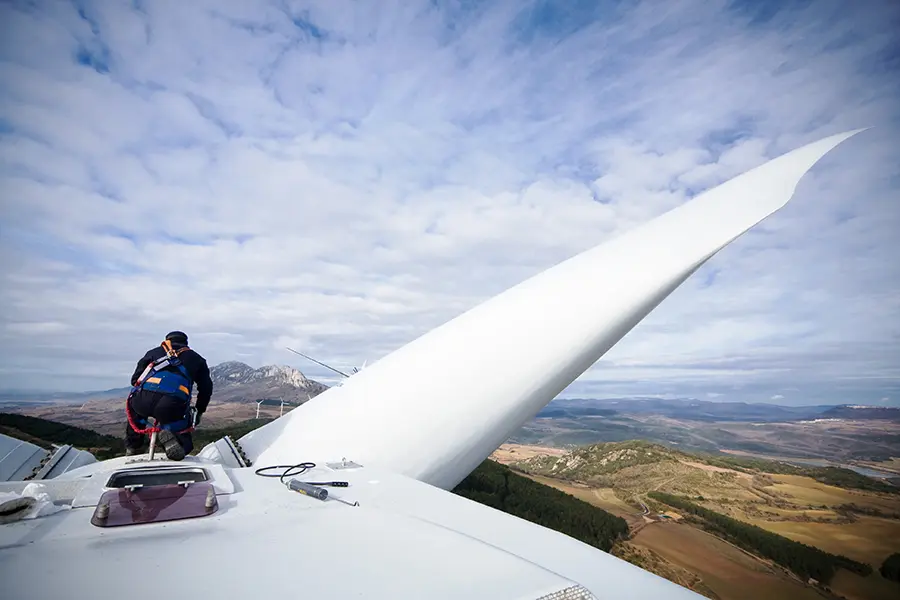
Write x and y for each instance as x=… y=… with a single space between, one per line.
x=298 y=469
x=303 y=468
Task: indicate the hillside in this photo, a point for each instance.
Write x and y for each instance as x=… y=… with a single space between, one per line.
x=862 y=412
x=592 y=462
x=804 y=560
x=45 y=434
x=833 y=525
x=495 y=485
x=598 y=463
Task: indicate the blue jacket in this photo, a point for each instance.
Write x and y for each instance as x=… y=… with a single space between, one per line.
x=194 y=370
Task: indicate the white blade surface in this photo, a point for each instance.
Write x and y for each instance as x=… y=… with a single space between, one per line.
x=437 y=407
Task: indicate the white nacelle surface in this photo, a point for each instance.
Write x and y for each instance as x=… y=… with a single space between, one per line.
x=406 y=539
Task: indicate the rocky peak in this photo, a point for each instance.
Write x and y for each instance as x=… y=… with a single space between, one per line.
x=237 y=381
x=231 y=372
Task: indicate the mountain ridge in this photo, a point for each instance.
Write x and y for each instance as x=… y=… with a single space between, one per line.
x=684 y=408
x=854 y=411
x=272 y=381
x=235 y=381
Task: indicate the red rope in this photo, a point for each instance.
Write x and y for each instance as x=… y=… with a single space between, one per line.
x=133 y=426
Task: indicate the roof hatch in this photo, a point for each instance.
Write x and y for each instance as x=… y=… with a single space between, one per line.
x=155 y=504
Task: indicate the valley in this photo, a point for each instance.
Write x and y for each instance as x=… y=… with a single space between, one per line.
x=855 y=437
x=862 y=525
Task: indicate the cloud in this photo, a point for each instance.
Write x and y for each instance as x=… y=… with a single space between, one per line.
x=342 y=179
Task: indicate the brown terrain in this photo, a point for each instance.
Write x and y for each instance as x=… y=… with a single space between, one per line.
x=510 y=453
x=725 y=570
x=797 y=507
x=107 y=415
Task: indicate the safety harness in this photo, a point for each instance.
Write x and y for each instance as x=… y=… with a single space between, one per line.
x=175 y=383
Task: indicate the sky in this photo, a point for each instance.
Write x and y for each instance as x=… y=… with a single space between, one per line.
x=340 y=177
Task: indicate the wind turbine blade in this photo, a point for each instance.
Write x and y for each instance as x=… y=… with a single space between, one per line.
x=437 y=407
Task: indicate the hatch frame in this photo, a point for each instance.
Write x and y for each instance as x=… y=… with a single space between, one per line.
x=121 y=507
x=155 y=476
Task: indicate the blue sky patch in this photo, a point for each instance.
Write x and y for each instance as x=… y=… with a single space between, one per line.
x=762 y=12
x=88 y=58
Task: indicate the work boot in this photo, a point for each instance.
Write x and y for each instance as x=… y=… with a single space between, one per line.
x=186 y=442
x=132 y=451
x=173 y=448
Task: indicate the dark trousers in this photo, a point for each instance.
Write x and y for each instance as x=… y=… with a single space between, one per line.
x=165 y=409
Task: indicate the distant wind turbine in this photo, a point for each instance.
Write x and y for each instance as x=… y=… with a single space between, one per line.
x=258 y=403
x=281 y=414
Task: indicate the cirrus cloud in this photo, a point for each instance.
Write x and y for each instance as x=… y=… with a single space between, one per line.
x=341 y=178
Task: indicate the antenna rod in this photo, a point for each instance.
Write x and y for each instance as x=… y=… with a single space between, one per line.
x=317 y=362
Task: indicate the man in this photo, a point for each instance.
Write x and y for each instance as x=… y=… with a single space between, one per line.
x=164 y=393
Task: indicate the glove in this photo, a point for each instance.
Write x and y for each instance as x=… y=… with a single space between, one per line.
x=197 y=415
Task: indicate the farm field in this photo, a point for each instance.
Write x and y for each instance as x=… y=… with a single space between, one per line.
x=729 y=572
